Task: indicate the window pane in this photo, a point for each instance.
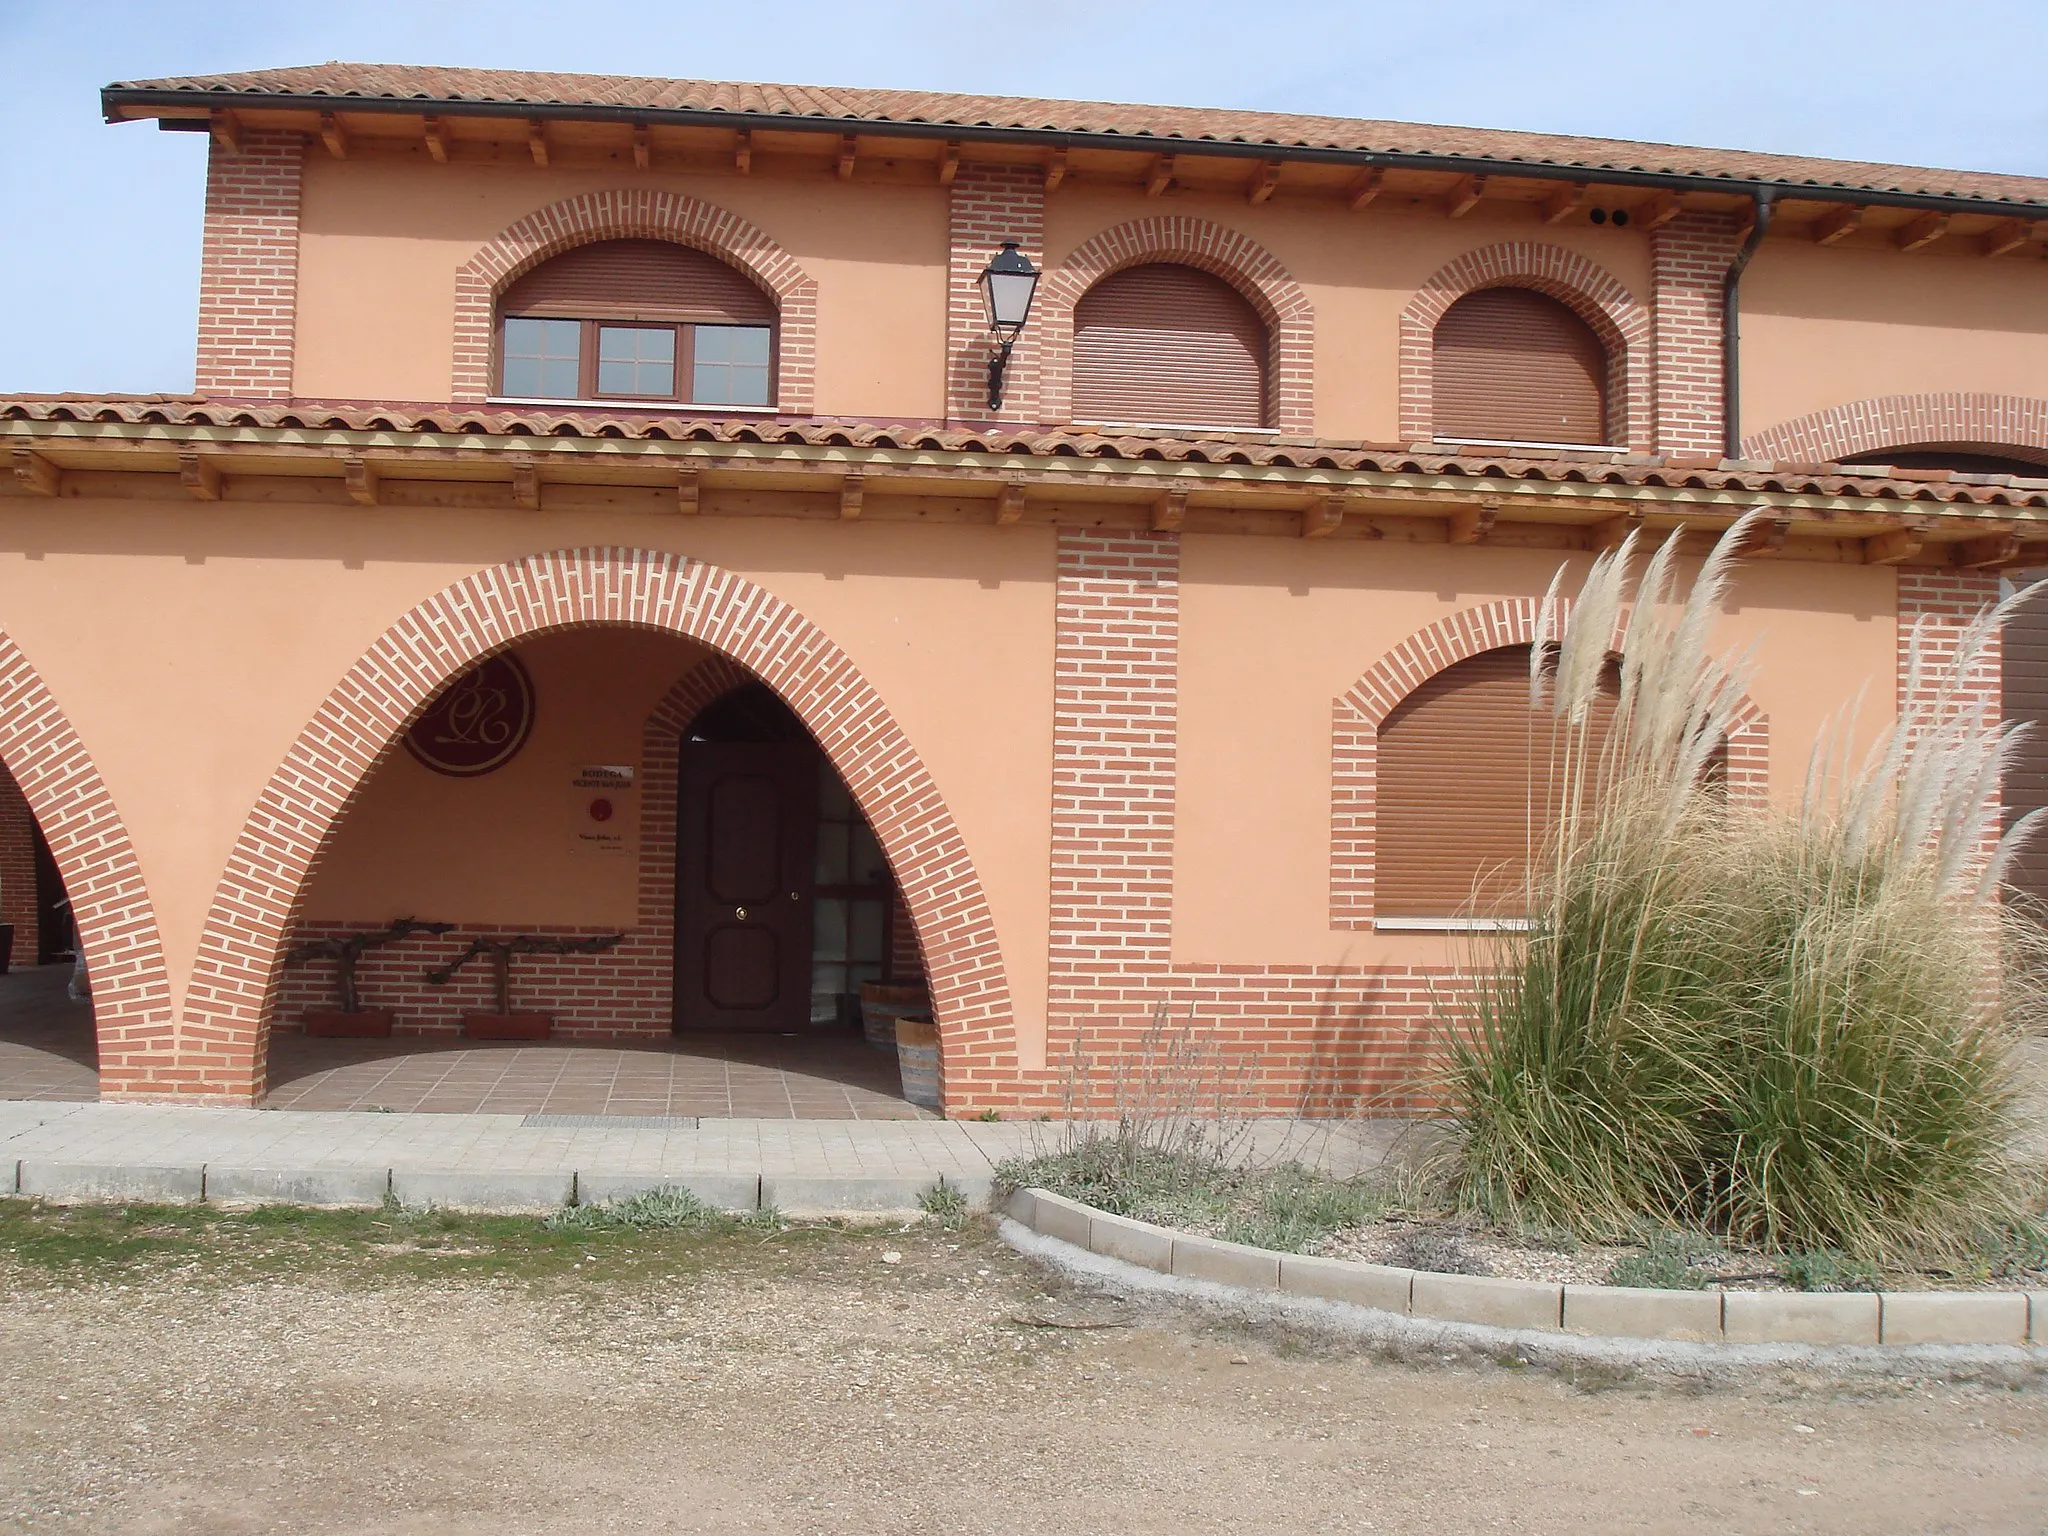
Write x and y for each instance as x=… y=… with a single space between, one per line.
x=732 y=365
x=867 y=932
x=834 y=804
x=639 y=361
x=542 y=359
x=869 y=867
x=831 y=854
x=829 y=934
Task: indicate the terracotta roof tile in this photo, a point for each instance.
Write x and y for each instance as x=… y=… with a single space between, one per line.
x=401 y=82
x=1587 y=467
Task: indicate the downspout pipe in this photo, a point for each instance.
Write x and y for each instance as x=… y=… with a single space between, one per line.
x=1731 y=327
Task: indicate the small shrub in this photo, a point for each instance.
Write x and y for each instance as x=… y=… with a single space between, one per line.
x=944 y=1203
x=656 y=1210
x=1440 y=1253
x=1294 y=1208
x=1670 y=1261
x=1824 y=1270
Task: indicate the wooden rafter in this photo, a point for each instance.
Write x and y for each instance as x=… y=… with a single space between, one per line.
x=2007 y=237
x=1921 y=232
x=1325 y=515
x=437 y=140
x=1769 y=537
x=949 y=164
x=1837 y=224
x=1992 y=549
x=1564 y=202
x=525 y=484
x=643 y=147
x=1055 y=169
x=743 y=151
x=1010 y=502
x=1891 y=548
x=1169 y=511
x=852 y=490
x=1609 y=533
x=333 y=136
x=689 y=492
x=200 y=476
x=1471 y=525
x=1160 y=177
x=1364 y=187
x=35 y=474
x=360 y=477
x=847 y=151
x=226 y=129
x=537 y=140
x=1659 y=211
x=1465 y=196
x=1265 y=182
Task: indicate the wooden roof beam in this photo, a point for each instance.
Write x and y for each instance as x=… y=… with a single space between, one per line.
x=1265 y=182
x=643 y=147
x=1465 y=196
x=848 y=150
x=1892 y=548
x=1837 y=224
x=35 y=474
x=852 y=490
x=1659 y=210
x=1055 y=168
x=1325 y=515
x=1992 y=549
x=1169 y=511
x=437 y=140
x=1769 y=538
x=1160 y=177
x=689 y=492
x=743 y=151
x=199 y=476
x=537 y=140
x=949 y=163
x=1364 y=187
x=2010 y=236
x=1472 y=525
x=226 y=129
x=525 y=485
x=1564 y=202
x=333 y=136
x=1609 y=533
x=1921 y=232
x=1010 y=503
x=359 y=476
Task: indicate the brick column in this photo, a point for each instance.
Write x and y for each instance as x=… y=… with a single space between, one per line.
x=1948 y=602
x=249 y=267
x=1689 y=256
x=18 y=868
x=990 y=204
x=1115 y=738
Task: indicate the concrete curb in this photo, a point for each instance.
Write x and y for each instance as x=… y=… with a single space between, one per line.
x=1531 y=1307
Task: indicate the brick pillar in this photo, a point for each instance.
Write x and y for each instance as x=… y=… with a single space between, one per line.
x=1689 y=256
x=990 y=204
x=1948 y=602
x=1115 y=737
x=249 y=267
x=18 y=868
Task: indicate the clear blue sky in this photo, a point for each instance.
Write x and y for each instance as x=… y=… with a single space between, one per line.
x=99 y=239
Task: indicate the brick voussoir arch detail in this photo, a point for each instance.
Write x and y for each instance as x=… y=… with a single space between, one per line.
x=1618 y=318
x=1213 y=248
x=1358 y=715
x=1902 y=421
x=638 y=213
x=124 y=953
x=363 y=718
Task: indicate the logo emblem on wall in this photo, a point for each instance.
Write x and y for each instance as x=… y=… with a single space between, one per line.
x=479 y=722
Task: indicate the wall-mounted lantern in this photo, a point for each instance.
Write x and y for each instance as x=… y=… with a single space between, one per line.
x=1008 y=284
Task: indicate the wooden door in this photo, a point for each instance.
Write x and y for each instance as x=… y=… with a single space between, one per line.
x=746 y=829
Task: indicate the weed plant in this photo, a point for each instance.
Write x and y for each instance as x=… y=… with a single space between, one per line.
x=1786 y=1024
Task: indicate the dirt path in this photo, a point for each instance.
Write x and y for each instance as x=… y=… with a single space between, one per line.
x=779 y=1383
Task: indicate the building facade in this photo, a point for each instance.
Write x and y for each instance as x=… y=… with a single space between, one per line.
x=593 y=522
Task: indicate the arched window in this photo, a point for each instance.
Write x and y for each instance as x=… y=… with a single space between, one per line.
x=1167 y=345
x=643 y=320
x=1964 y=458
x=1468 y=786
x=1516 y=366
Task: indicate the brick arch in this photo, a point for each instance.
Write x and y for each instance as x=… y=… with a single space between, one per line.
x=1437 y=647
x=360 y=722
x=1591 y=292
x=645 y=214
x=124 y=953
x=1989 y=421
x=1210 y=247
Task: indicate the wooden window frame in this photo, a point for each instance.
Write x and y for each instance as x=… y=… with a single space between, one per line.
x=685 y=366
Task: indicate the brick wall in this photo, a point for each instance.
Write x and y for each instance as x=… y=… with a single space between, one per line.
x=249 y=267
x=990 y=204
x=1943 y=604
x=18 y=868
x=1892 y=421
x=1689 y=256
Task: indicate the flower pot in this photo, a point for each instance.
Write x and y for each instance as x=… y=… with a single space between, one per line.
x=917 y=1058
x=508 y=1026
x=881 y=1006
x=364 y=1024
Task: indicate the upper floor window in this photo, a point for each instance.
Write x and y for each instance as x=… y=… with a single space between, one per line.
x=1964 y=458
x=1470 y=784
x=1516 y=366
x=1167 y=345
x=636 y=320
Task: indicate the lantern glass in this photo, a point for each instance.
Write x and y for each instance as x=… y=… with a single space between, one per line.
x=1007 y=286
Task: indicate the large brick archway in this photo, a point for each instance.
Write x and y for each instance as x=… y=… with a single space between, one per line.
x=222 y=1039
x=1991 y=423
x=116 y=923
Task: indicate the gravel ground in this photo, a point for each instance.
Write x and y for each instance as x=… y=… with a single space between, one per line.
x=813 y=1383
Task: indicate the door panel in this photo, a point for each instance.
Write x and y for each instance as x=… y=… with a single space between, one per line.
x=746 y=825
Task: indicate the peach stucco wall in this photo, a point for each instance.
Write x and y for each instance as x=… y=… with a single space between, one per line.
x=1359 y=272
x=1273 y=631
x=1823 y=327
x=381 y=241
x=218 y=631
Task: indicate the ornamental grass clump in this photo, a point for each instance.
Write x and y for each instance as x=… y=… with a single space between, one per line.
x=1785 y=1024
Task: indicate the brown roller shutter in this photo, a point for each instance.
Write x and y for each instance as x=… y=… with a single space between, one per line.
x=1462 y=761
x=639 y=280
x=1166 y=345
x=2024 y=787
x=1513 y=365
